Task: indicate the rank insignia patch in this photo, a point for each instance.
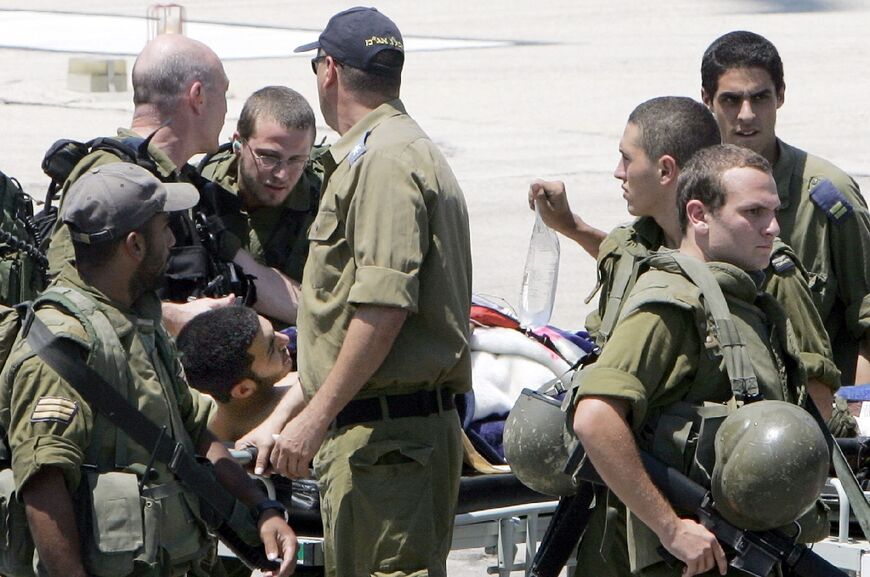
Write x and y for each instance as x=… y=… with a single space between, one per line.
x=55 y=409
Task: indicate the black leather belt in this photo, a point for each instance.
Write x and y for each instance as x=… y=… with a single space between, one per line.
x=419 y=404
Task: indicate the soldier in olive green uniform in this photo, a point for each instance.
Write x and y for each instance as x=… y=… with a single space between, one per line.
x=275 y=176
x=180 y=90
x=659 y=356
x=661 y=134
x=823 y=216
x=69 y=462
x=383 y=328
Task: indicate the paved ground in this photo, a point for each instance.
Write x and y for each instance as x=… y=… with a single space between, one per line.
x=551 y=103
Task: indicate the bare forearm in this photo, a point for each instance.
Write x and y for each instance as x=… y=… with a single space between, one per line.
x=822 y=396
x=277 y=294
x=588 y=237
x=51 y=518
x=610 y=445
x=862 y=370
x=231 y=475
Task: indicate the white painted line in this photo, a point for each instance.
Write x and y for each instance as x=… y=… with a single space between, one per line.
x=126 y=35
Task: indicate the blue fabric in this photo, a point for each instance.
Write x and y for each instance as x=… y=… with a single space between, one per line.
x=855 y=393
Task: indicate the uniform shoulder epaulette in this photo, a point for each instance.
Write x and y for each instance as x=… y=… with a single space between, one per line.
x=782 y=262
x=359 y=149
x=828 y=197
x=782 y=257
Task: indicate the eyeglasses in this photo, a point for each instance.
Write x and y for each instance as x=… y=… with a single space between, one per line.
x=271 y=163
x=315 y=61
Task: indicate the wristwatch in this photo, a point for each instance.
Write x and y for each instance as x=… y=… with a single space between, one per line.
x=267 y=504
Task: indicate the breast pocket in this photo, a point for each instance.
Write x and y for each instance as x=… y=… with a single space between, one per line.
x=323 y=226
x=327 y=252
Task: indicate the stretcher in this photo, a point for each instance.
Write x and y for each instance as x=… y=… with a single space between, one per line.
x=497 y=513
x=494 y=512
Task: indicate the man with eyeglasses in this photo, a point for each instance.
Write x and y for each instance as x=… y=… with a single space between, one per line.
x=273 y=171
x=383 y=322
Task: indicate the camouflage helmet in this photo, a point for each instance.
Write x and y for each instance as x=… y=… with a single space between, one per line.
x=771 y=464
x=538 y=439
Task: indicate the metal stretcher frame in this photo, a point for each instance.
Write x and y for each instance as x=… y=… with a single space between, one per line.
x=503 y=529
x=500 y=529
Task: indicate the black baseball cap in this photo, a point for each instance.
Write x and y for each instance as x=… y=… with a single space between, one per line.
x=355 y=36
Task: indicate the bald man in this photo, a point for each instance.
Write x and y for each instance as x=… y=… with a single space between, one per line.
x=179 y=93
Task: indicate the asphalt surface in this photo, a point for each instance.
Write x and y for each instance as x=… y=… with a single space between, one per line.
x=548 y=100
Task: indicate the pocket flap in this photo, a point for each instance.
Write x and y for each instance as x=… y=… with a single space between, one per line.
x=323 y=226
x=391 y=453
x=116 y=514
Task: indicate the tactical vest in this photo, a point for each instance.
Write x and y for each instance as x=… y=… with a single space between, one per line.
x=757 y=366
x=286 y=246
x=128 y=516
x=196 y=266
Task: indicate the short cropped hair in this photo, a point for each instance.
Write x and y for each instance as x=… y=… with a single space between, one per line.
x=279 y=103
x=383 y=84
x=701 y=178
x=740 y=49
x=676 y=126
x=214 y=349
x=162 y=84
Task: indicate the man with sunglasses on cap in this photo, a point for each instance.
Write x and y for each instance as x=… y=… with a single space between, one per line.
x=274 y=180
x=383 y=324
x=73 y=469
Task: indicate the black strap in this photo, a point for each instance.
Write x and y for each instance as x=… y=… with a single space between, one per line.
x=63 y=355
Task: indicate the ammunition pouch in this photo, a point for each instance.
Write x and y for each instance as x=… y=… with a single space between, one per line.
x=683 y=437
x=122 y=527
x=16 y=544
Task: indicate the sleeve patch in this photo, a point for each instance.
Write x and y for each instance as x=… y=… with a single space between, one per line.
x=782 y=263
x=56 y=409
x=834 y=204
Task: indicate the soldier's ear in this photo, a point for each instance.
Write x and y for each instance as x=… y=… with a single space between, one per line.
x=696 y=214
x=237 y=143
x=136 y=245
x=668 y=170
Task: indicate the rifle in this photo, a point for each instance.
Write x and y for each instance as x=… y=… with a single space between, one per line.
x=566 y=525
x=755 y=552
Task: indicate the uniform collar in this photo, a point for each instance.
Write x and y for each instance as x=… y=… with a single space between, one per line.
x=166 y=167
x=145 y=312
x=368 y=123
x=649 y=233
x=783 y=170
x=736 y=281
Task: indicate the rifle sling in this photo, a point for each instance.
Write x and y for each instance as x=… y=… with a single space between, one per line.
x=62 y=355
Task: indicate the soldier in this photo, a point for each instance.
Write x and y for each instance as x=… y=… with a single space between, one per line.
x=69 y=462
x=661 y=135
x=179 y=93
x=277 y=186
x=383 y=328
x=659 y=138
x=823 y=214
x=236 y=357
x=659 y=359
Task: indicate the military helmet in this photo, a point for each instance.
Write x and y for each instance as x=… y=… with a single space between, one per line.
x=771 y=464
x=538 y=438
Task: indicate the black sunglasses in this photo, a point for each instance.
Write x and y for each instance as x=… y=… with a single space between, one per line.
x=315 y=61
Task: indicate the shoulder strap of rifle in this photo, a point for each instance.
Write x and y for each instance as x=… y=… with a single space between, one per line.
x=61 y=354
